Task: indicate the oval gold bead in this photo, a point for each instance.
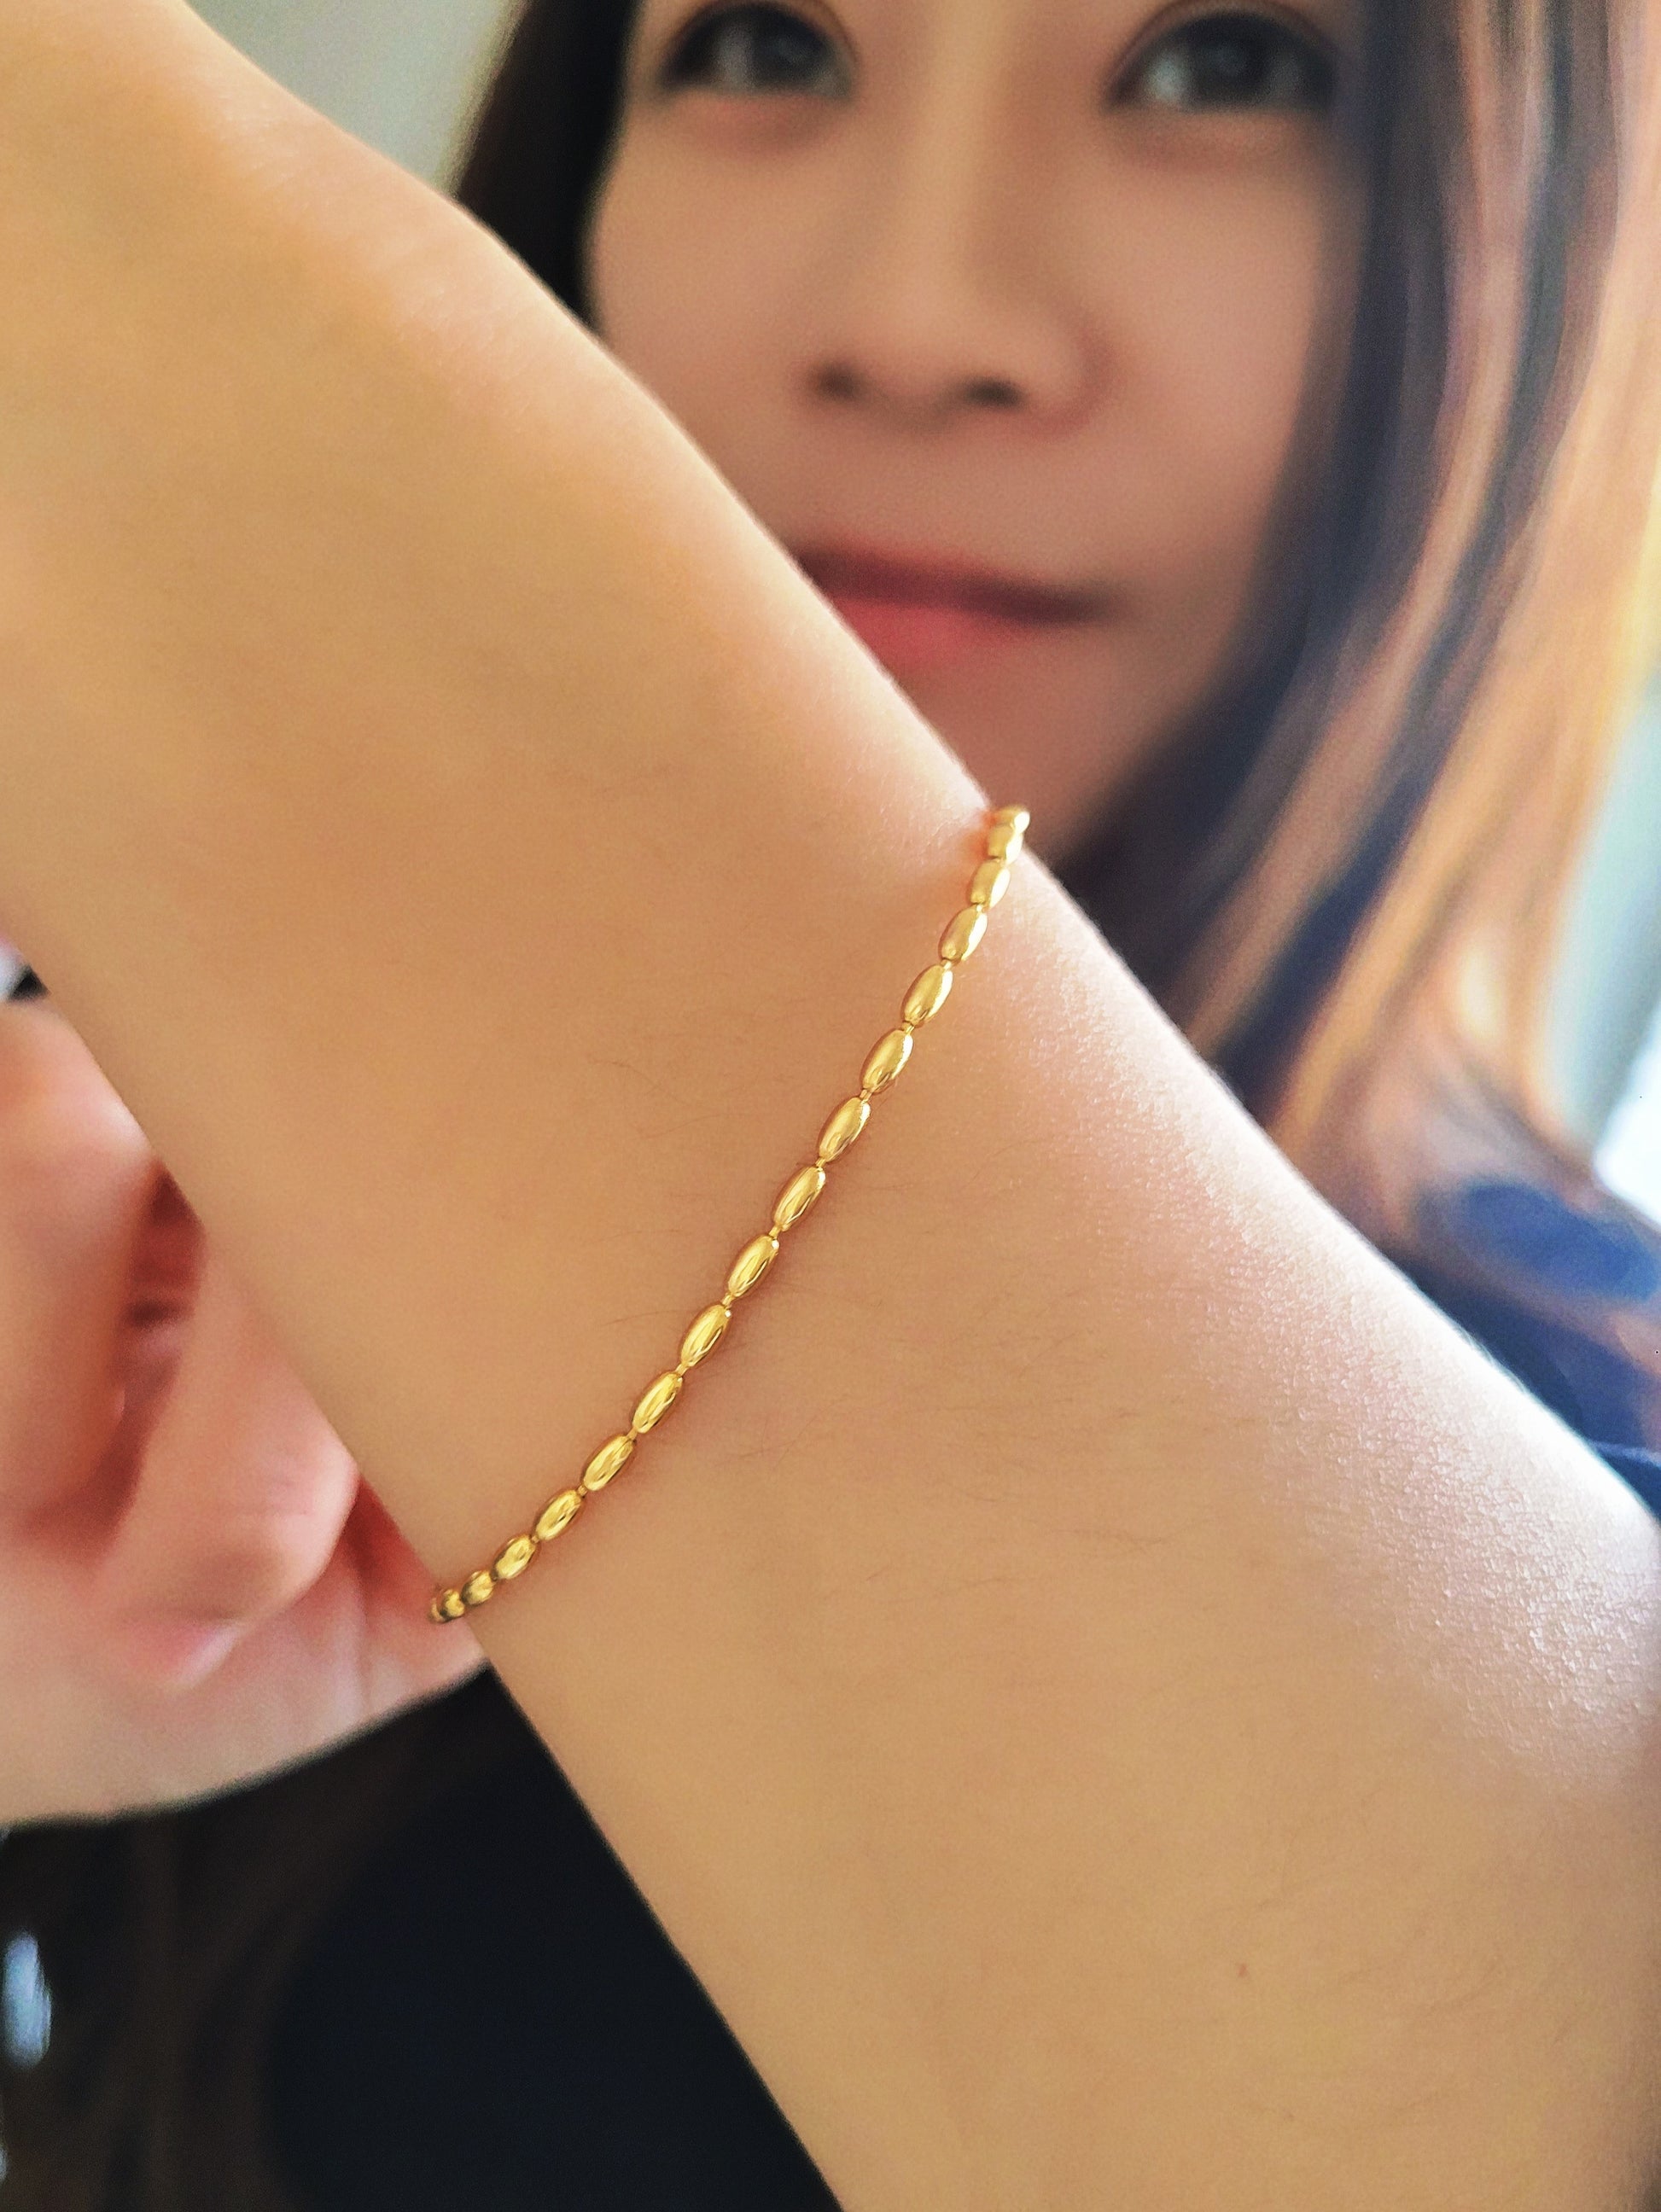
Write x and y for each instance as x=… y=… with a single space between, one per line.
x=512 y=1558
x=1003 y=841
x=797 y=1195
x=844 y=1125
x=477 y=1588
x=889 y=1057
x=929 y=993
x=989 y=882
x=751 y=1264
x=556 y=1515
x=705 y=1334
x=964 y=933
x=1016 y=817
x=611 y=1459
x=448 y=1604
x=655 y=1401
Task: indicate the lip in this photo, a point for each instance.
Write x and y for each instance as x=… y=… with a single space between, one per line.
x=916 y=612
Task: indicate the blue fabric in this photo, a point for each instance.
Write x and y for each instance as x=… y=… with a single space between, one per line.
x=1543 y=1284
x=1605 y=1255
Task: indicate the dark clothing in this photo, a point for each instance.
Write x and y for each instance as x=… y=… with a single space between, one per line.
x=493 y=2020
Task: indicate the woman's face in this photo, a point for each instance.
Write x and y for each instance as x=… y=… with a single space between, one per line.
x=1023 y=290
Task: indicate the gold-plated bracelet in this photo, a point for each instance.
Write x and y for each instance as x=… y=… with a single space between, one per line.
x=1005 y=830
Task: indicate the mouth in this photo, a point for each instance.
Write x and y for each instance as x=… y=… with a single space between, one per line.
x=923 y=612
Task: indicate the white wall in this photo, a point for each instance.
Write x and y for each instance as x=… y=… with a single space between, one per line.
x=1608 y=986
x=1629 y=1157
x=396 y=72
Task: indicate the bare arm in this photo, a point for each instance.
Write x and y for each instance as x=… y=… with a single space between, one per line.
x=1118 y=1702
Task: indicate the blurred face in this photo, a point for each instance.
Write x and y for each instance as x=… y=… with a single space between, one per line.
x=997 y=314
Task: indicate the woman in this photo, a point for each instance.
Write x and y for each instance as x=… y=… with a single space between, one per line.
x=1278 y=732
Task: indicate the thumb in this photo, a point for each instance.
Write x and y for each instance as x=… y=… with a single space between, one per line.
x=240 y=1498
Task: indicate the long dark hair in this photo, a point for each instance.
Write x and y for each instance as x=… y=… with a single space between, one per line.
x=1342 y=880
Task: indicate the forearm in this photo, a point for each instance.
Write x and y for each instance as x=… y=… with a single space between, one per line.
x=1116 y=1701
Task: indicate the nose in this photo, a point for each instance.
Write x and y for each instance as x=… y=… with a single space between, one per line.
x=935 y=297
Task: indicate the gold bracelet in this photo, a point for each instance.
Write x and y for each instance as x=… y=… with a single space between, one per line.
x=1006 y=831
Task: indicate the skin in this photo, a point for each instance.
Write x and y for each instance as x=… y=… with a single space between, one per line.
x=1018 y=280
x=1010 y=280
x=206 y=1592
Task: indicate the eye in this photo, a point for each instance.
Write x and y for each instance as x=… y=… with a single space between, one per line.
x=1231 y=58
x=754 y=49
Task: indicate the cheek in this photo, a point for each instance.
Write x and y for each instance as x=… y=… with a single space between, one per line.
x=676 y=279
x=1220 y=297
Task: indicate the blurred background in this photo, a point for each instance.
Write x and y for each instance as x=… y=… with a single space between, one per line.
x=399 y=73
x=402 y=73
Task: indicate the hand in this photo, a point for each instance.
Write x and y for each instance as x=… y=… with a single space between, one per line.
x=199 y=1589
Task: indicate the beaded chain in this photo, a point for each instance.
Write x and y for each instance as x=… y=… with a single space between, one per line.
x=1006 y=829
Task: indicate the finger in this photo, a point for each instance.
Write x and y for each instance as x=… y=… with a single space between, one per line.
x=76 y=1175
x=242 y=1494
